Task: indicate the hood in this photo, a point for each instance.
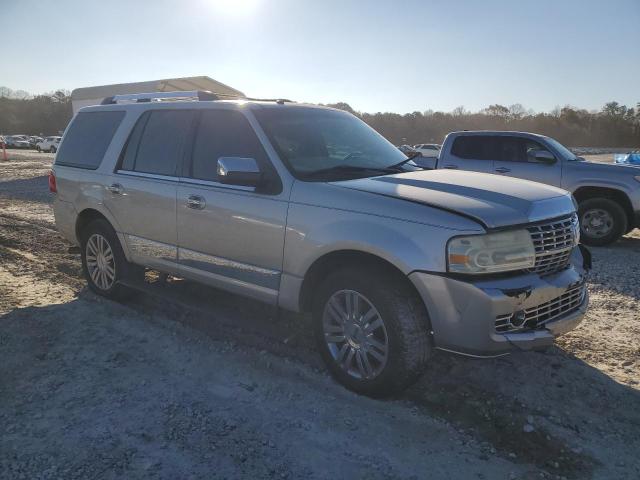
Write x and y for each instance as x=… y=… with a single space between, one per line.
x=493 y=201
x=621 y=168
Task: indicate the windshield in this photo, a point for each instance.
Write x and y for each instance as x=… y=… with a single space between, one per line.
x=318 y=144
x=562 y=150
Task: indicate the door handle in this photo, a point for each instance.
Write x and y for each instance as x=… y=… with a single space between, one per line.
x=115 y=188
x=196 y=202
x=451 y=167
x=503 y=169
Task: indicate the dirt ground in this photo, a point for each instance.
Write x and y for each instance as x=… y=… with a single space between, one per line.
x=184 y=381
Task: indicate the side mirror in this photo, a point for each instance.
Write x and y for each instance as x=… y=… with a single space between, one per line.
x=541 y=156
x=239 y=171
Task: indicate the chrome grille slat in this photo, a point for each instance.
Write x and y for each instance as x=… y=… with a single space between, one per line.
x=546 y=312
x=553 y=242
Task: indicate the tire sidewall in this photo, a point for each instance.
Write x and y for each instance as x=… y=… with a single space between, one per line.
x=620 y=223
x=103 y=228
x=387 y=302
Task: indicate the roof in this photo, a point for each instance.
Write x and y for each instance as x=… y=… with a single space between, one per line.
x=164 y=85
x=494 y=132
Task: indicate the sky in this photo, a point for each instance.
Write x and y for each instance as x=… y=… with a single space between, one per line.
x=397 y=56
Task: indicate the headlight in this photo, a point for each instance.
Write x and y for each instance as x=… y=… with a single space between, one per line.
x=637 y=177
x=490 y=253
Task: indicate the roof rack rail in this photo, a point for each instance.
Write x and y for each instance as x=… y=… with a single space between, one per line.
x=279 y=101
x=194 y=95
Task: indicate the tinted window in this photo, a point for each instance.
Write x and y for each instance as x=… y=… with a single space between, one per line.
x=88 y=138
x=476 y=147
x=162 y=142
x=509 y=149
x=517 y=149
x=129 y=155
x=223 y=133
x=529 y=147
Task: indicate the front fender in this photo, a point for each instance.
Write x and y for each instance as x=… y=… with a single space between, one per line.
x=313 y=232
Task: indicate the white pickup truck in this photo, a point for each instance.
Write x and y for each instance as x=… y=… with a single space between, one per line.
x=608 y=195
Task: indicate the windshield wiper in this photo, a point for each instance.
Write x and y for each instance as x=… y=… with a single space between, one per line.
x=397 y=166
x=347 y=169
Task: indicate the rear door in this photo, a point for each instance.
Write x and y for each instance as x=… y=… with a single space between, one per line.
x=229 y=236
x=143 y=189
x=515 y=159
x=470 y=152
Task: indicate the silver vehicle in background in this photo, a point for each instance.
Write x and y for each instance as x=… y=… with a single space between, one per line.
x=48 y=144
x=428 y=149
x=309 y=209
x=608 y=195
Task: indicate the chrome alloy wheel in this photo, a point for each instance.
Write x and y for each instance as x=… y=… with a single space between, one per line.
x=596 y=223
x=101 y=263
x=355 y=334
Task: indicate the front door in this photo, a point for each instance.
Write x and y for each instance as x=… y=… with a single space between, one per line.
x=515 y=159
x=230 y=237
x=142 y=192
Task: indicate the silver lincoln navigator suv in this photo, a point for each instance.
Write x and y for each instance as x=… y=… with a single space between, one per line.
x=311 y=210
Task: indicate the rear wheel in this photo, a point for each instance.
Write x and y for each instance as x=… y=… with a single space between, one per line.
x=104 y=263
x=38 y=148
x=372 y=332
x=52 y=149
x=602 y=221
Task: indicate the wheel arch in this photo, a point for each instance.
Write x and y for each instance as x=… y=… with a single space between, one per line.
x=588 y=192
x=85 y=217
x=330 y=261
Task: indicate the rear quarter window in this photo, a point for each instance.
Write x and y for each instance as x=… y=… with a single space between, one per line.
x=87 y=140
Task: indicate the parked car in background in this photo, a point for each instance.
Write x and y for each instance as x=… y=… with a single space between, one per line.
x=17 y=141
x=428 y=149
x=314 y=211
x=49 y=144
x=34 y=140
x=409 y=151
x=608 y=195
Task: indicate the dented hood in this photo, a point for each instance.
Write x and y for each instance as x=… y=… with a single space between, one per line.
x=494 y=201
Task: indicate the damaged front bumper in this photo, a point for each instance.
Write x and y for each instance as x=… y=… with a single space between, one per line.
x=488 y=318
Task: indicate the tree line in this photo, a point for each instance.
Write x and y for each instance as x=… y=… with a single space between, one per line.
x=45 y=114
x=615 y=125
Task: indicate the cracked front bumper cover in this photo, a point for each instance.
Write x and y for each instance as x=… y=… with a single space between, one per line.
x=463 y=313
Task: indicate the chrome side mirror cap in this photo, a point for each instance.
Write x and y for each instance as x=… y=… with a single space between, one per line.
x=241 y=171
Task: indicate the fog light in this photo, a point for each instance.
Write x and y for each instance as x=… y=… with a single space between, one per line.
x=518 y=318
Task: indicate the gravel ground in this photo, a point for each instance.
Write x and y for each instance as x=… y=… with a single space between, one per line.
x=184 y=381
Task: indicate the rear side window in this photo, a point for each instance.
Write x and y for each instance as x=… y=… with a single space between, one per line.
x=88 y=138
x=475 y=147
x=223 y=133
x=157 y=142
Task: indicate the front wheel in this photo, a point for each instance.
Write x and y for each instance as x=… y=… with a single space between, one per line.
x=373 y=333
x=602 y=221
x=52 y=150
x=38 y=149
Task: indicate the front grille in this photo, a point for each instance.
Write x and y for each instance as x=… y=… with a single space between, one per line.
x=536 y=317
x=553 y=242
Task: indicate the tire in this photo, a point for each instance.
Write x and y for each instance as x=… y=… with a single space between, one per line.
x=38 y=149
x=52 y=150
x=602 y=221
x=94 y=238
x=405 y=331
